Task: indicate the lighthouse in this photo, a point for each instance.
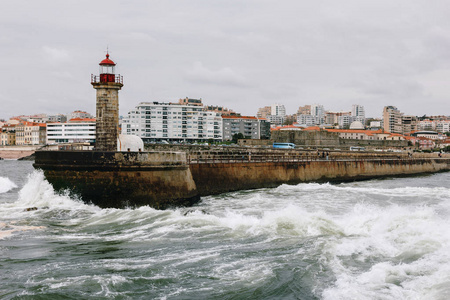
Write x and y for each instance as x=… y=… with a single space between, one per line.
x=107 y=85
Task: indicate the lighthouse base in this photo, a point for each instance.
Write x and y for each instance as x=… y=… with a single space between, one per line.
x=121 y=179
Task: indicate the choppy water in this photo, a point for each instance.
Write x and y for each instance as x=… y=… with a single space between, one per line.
x=378 y=239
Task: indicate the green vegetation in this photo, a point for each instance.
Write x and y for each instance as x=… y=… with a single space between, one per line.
x=237 y=137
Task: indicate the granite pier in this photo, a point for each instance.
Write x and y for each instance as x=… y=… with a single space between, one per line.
x=168 y=179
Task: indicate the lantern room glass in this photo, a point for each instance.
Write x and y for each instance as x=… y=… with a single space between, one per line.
x=107 y=69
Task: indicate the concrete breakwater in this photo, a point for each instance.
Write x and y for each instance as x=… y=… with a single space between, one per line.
x=120 y=179
x=216 y=178
x=164 y=179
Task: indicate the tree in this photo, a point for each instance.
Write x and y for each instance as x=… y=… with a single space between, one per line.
x=236 y=137
x=288 y=121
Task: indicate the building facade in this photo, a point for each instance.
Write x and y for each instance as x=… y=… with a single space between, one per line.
x=277 y=114
x=7 y=138
x=304 y=110
x=154 y=121
x=264 y=112
x=250 y=127
x=409 y=124
x=443 y=126
x=78 y=131
x=358 y=113
x=77 y=114
x=8 y=135
x=392 y=120
x=28 y=133
x=307 y=120
x=317 y=110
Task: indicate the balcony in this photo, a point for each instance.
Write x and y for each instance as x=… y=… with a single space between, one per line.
x=106 y=78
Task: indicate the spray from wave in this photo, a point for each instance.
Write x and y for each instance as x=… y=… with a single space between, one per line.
x=6 y=185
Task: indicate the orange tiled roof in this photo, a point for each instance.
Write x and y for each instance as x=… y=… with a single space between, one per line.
x=81 y=120
x=312 y=128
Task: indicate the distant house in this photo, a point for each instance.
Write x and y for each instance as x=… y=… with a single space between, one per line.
x=29 y=133
x=8 y=135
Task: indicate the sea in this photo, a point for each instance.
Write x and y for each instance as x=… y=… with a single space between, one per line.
x=377 y=239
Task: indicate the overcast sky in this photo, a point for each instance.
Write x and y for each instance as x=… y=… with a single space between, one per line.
x=242 y=54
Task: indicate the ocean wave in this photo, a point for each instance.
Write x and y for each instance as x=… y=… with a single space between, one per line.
x=395 y=252
x=6 y=185
x=366 y=189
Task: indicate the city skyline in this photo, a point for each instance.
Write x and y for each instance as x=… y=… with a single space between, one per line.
x=239 y=55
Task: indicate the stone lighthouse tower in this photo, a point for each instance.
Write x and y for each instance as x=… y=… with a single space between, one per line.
x=107 y=85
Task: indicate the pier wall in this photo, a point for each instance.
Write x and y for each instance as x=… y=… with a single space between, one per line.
x=120 y=179
x=165 y=179
x=216 y=178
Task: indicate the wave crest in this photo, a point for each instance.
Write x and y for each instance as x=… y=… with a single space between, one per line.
x=6 y=185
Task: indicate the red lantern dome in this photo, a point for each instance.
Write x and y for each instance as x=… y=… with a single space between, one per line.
x=107 y=67
x=107 y=61
x=107 y=73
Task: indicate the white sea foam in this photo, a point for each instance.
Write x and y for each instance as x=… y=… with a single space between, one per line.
x=38 y=196
x=6 y=185
x=412 y=243
x=365 y=188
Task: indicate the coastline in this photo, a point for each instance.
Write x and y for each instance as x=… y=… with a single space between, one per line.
x=17 y=152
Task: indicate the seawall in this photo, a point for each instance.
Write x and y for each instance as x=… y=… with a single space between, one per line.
x=120 y=179
x=216 y=178
x=165 y=179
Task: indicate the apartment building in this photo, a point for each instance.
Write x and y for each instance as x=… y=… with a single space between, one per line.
x=409 y=124
x=8 y=135
x=307 y=120
x=392 y=120
x=223 y=111
x=79 y=114
x=304 y=110
x=153 y=121
x=443 y=126
x=28 y=133
x=264 y=112
x=358 y=113
x=77 y=130
x=250 y=127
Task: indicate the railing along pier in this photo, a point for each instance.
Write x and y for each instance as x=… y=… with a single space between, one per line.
x=286 y=156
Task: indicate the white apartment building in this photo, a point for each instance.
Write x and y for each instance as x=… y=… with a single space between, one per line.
x=278 y=110
x=275 y=120
x=76 y=132
x=277 y=114
x=153 y=121
x=426 y=125
x=443 y=126
x=307 y=120
x=318 y=111
x=358 y=113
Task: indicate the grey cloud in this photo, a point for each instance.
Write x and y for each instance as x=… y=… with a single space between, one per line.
x=225 y=76
x=336 y=53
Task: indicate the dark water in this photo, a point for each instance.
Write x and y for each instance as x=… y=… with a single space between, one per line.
x=378 y=239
